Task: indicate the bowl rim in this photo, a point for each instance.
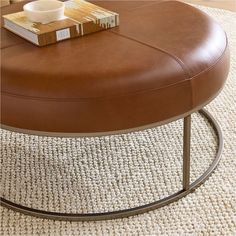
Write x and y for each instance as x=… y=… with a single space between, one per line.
x=25 y=7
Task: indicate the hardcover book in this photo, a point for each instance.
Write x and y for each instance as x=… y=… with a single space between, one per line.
x=81 y=18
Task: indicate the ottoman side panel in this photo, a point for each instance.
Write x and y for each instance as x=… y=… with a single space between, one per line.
x=207 y=84
x=97 y=115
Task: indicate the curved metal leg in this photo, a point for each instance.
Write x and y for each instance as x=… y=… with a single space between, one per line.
x=187 y=187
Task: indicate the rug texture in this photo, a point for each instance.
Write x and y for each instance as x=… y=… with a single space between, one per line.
x=111 y=173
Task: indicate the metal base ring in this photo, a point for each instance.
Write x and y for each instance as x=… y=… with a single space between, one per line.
x=132 y=211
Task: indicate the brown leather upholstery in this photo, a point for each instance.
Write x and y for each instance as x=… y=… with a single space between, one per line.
x=166 y=59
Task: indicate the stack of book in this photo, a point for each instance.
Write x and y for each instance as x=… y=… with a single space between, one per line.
x=81 y=18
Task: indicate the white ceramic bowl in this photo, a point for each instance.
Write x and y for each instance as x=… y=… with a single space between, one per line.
x=44 y=11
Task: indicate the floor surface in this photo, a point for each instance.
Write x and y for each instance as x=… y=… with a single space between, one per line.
x=223 y=4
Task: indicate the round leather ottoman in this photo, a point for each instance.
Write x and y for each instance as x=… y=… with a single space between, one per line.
x=165 y=61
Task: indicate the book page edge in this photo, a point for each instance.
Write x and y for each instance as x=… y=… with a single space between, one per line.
x=20 y=31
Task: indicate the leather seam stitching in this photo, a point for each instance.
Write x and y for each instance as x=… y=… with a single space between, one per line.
x=178 y=60
x=134 y=93
x=121 y=95
x=216 y=61
x=206 y=70
x=115 y=96
x=89 y=98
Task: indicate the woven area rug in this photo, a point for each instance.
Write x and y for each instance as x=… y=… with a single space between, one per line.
x=117 y=172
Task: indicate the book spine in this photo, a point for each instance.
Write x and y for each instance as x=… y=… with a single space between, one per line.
x=105 y=23
x=57 y=36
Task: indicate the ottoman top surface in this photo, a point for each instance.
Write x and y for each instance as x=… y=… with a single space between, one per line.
x=158 y=46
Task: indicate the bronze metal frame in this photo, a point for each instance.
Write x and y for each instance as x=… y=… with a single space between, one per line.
x=187 y=186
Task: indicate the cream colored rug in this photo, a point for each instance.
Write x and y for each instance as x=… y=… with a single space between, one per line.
x=111 y=173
